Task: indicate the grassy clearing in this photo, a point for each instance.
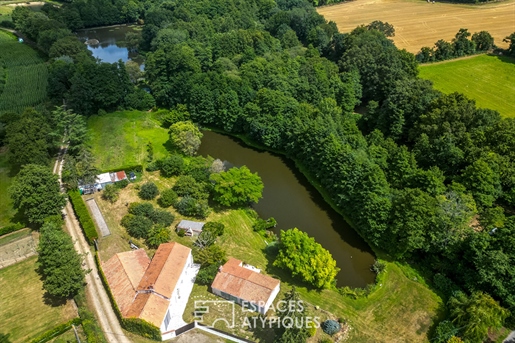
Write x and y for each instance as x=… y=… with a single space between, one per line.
x=490 y=80
x=7 y=211
x=24 y=72
x=136 y=128
x=401 y=310
x=419 y=23
x=24 y=311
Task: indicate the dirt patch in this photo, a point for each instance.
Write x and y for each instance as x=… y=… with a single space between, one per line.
x=18 y=250
x=419 y=23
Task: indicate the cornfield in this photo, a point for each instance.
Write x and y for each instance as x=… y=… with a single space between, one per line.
x=23 y=75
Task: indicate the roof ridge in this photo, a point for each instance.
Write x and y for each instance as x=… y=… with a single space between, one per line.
x=128 y=277
x=255 y=283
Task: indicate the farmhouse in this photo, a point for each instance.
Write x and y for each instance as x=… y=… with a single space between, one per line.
x=245 y=285
x=190 y=227
x=156 y=290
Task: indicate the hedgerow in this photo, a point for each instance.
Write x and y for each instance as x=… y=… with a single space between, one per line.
x=83 y=215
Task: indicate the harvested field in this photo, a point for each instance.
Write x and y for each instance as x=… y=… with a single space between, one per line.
x=419 y=23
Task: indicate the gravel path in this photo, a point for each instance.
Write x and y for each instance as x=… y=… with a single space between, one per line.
x=94 y=288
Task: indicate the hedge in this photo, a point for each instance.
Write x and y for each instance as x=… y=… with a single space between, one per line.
x=137 y=168
x=84 y=218
x=11 y=228
x=134 y=325
x=90 y=324
x=57 y=331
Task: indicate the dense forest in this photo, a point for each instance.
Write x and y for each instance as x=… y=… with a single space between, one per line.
x=423 y=177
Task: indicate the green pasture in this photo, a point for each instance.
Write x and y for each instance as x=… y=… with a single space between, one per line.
x=23 y=75
x=120 y=139
x=25 y=312
x=489 y=80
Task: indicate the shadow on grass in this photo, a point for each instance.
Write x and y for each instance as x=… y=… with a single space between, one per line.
x=4 y=338
x=505 y=59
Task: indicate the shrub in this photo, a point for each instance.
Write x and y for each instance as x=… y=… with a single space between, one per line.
x=153 y=166
x=148 y=191
x=162 y=217
x=144 y=209
x=110 y=193
x=167 y=198
x=378 y=267
x=262 y=225
x=122 y=184
x=216 y=228
x=213 y=254
x=206 y=275
x=186 y=185
x=83 y=215
x=312 y=329
x=189 y=206
x=172 y=166
x=11 y=228
x=158 y=235
x=137 y=226
x=331 y=327
x=7 y=24
x=56 y=331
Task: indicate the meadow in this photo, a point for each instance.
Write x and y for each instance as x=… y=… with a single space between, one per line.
x=120 y=139
x=402 y=308
x=23 y=74
x=24 y=310
x=489 y=80
x=419 y=23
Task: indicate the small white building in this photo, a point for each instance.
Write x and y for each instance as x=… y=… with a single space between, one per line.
x=190 y=227
x=245 y=285
x=156 y=290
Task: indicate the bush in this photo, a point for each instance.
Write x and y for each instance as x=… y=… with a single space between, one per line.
x=263 y=225
x=83 y=215
x=331 y=327
x=57 y=331
x=153 y=166
x=110 y=193
x=213 y=254
x=137 y=226
x=11 y=228
x=378 y=267
x=172 y=166
x=158 y=235
x=206 y=275
x=162 y=217
x=312 y=330
x=122 y=184
x=148 y=191
x=186 y=185
x=7 y=24
x=189 y=206
x=144 y=209
x=216 y=228
x=167 y=198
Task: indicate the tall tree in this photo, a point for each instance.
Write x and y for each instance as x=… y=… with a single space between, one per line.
x=185 y=137
x=237 y=187
x=35 y=191
x=60 y=264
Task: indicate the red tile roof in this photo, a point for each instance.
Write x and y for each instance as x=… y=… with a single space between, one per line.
x=244 y=283
x=121 y=175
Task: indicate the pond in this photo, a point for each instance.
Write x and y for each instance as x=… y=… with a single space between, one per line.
x=111 y=46
x=294 y=202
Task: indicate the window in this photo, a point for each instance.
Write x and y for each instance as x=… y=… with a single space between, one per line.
x=167 y=319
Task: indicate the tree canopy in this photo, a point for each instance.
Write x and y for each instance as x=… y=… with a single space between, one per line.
x=236 y=187
x=306 y=258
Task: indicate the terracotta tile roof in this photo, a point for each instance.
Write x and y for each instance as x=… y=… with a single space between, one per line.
x=150 y=307
x=244 y=283
x=120 y=175
x=123 y=272
x=166 y=267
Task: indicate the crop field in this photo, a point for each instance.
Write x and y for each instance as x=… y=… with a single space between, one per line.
x=419 y=23
x=23 y=75
x=490 y=80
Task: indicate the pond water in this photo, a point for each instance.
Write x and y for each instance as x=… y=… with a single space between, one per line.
x=111 y=47
x=294 y=202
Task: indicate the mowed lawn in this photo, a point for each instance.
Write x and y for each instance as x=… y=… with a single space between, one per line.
x=6 y=208
x=490 y=80
x=120 y=139
x=23 y=312
x=419 y=23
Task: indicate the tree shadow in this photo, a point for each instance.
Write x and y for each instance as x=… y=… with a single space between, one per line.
x=53 y=301
x=4 y=338
x=169 y=146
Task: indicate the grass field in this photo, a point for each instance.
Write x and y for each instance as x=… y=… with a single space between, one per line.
x=6 y=208
x=490 y=80
x=23 y=311
x=119 y=139
x=24 y=74
x=419 y=23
